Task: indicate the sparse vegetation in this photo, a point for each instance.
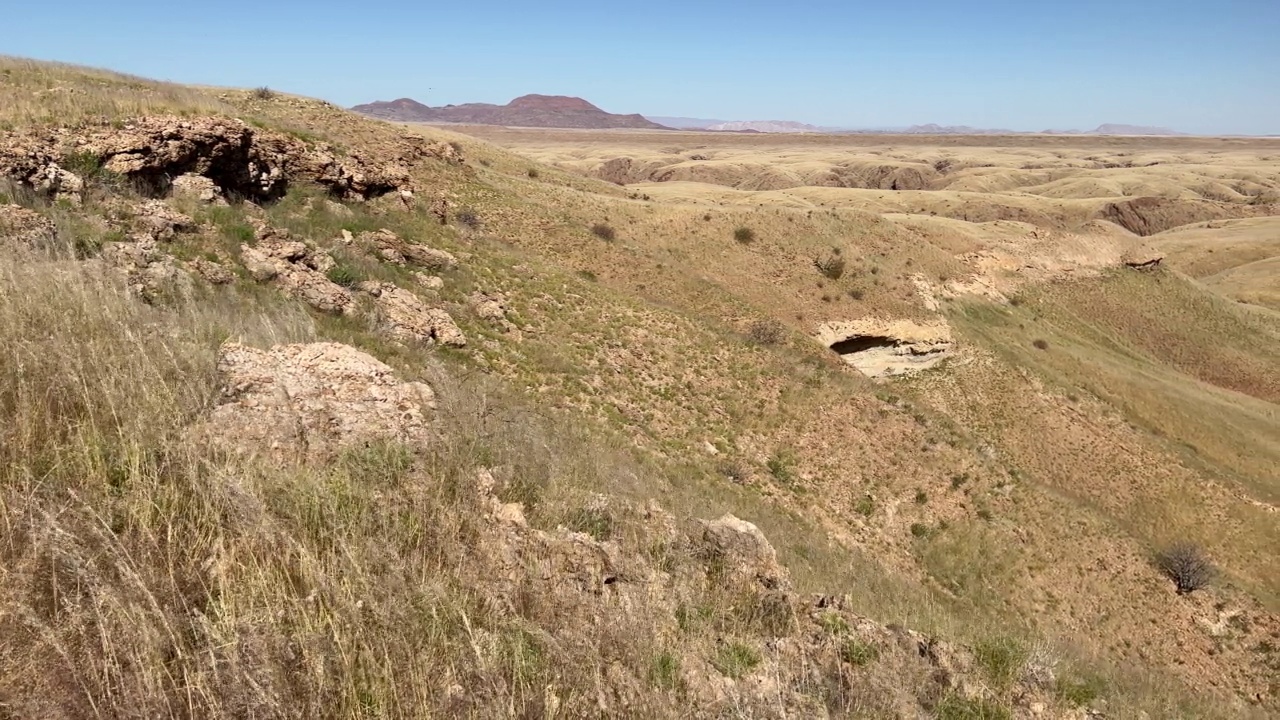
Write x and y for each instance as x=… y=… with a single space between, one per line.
x=736 y=659
x=766 y=331
x=468 y=218
x=1187 y=565
x=744 y=235
x=831 y=266
x=604 y=232
x=858 y=653
x=958 y=707
x=345 y=274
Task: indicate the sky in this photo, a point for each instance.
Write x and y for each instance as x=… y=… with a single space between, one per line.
x=1203 y=67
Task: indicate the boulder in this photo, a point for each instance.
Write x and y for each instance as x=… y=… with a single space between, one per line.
x=309 y=401
x=25 y=228
x=740 y=550
x=199 y=188
x=152 y=273
x=405 y=317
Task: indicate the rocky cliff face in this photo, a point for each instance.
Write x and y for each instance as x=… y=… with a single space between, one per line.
x=526 y=111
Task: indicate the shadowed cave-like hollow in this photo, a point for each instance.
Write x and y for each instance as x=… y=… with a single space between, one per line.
x=862 y=343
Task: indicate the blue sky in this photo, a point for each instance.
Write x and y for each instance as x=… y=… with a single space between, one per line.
x=1195 y=66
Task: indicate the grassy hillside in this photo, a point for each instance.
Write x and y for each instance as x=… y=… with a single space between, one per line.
x=973 y=541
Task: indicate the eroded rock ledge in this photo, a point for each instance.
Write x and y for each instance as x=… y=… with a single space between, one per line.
x=882 y=348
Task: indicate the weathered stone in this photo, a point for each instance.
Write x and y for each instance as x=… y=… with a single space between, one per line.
x=310 y=401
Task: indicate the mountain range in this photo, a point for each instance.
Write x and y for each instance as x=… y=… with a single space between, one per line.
x=559 y=111
x=556 y=111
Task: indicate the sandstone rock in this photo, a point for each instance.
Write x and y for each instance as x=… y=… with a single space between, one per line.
x=23 y=227
x=430 y=282
x=405 y=317
x=296 y=268
x=212 y=272
x=396 y=250
x=237 y=158
x=311 y=400
x=198 y=188
x=488 y=307
x=742 y=550
x=161 y=222
x=151 y=272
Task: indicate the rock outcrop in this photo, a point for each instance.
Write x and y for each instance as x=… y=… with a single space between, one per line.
x=393 y=249
x=405 y=317
x=151 y=272
x=880 y=348
x=24 y=228
x=163 y=154
x=309 y=401
x=297 y=268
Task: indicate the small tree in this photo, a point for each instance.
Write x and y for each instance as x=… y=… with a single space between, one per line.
x=1186 y=565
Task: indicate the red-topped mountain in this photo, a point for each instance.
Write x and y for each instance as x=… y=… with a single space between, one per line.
x=557 y=111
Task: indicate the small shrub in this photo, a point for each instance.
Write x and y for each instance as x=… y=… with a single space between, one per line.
x=1186 y=565
x=468 y=217
x=1002 y=658
x=857 y=293
x=736 y=660
x=744 y=235
x=858 y=653
x=344 y=275
x=596 y=522
x=707 y=217
x=664 y=673
x=959 y=480
x=985 y=514
x=919 y=530
x=457 y=146
x=1080 y=691
x=263 y=93
x=737 y=471
x=831 y=266
x=533 y=173
x=1041 y=344
x=604 y=232
x=780 y=467
x=766 y=332
x=865 y=506
x=922 y=497
x=833 y=623
x=958 y=707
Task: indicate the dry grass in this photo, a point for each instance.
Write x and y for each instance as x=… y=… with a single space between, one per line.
x=38 y=93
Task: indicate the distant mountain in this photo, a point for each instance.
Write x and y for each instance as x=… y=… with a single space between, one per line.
x=932 y=129
x=764 y=126
x=683 y=123
x=555 y=111
x=1115 y=129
